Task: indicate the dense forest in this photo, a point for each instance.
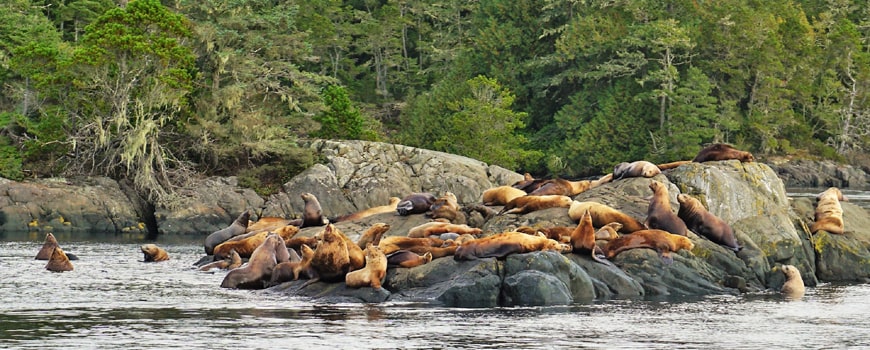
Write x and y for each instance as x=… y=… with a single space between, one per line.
x=158 y=92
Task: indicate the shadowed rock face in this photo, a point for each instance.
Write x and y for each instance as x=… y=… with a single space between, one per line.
x=358 y=175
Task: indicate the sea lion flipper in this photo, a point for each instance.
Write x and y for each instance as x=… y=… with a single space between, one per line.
x=667 y=258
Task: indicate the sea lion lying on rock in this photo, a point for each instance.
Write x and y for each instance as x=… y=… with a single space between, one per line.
x=503 y=244
x=373 y=273
x=704 y=223
x=663 y=242
x=228 y=263
x=362 y=214
x=238 y=227
x=415 y=203
x=722 y=151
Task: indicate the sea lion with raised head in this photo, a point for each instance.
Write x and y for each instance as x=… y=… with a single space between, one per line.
x=258 y=271
x=794 y=283
x=312 y=212
x=447 y=208
x=293 y=270
x=659 y=214
x=58 y=262
x=373 y=273
x=704 y=223
x=829 y=212
x=227 y=263
x=238 y=227
x=153 y=253
x=583 y=240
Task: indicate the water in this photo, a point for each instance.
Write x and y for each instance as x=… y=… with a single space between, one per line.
x=113 y=300
x=857 y=196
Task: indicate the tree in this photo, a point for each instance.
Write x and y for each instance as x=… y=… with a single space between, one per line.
x=133 y=75
x=341 y=120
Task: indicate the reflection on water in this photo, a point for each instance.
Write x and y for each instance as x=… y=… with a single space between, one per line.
x=113 y=300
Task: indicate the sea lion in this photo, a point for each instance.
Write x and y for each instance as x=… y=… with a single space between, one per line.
x=503 y=244
x=258 y=270
x=672 y=165
x=829 y=212
x=415 y=203
x=228 y=263
x=331 y=261
x=722 y=151
x=794 y=283
x=373 y=234
x=659 y=214
x=47 y=247
x=373 y=273
x=501 y=195
x=447 y=207
x=246 y=246
x=704 y=223
x=663 y=242
x=529 y=203
x=640 y=168
x=558 y=233
x=153 y=253
x=608 y=232
x=58 y=262
x=312 y=213
x=583 y=240
x=292 y=270
x=238 y=227
x=435 y=246
x=408 y=259
x=362 y=214
x=438 y=227
x=529 y=184
x=269 y=223
x=568 y=188
x=603 y=215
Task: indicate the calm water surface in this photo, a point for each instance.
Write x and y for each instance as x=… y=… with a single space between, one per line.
x=113 y=300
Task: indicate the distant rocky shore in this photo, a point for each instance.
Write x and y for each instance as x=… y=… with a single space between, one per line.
x=749 y=196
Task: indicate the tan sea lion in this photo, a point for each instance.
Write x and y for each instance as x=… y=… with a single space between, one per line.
x=362 y=214
x=312 y=213
x=238 y=227
x=58 y=262
x=663 y=242
x=228 y=263
x=332 y=261
x=373 y=273
x=603 y=215
x=794 y=283
x=408 y=259
x=258 y=270
x=503 y=244
x=435 y=246
x=583 y=240
x=153 y=253
x=269 y=223
x=558 y=233
x=659 y=214
x=722 y=151
x=704 y=223
x=47 y=247
x=501 y=195
x=672 y=165
x=568 y=188
x=608 y=232
x=293 y=270
x=529 y=203
x=246 y=246
x=372 y=235
x=438 y=227
x=640 y=168
x=829 y=212
x=415 y=203
x=447 y=207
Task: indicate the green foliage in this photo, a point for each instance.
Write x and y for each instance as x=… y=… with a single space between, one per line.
x=341 y=120
x=268 y=178
x=10 y=160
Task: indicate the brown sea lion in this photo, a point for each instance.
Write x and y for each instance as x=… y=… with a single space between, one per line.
x=373 y=273
x=153 y=253
x=529 y=184
x=501 y=195
x=704 y=223
x=293 y=270
x=603 y=215
x=372 y=235
x=312 y=213
x=438 y=227
x=332 y=260
x=503 y=244
x=362 y=214
x=659 y=214
x=258 y=270
x=583 y=240
x=672 y=165
x=829 y=212
x=640 y=168
x=722 y=151
x=296 y=243
x=529 y=203
x=228 y=263
x=568 y=188
x=663 y=242
x=794 y=284
x=558 y=233
x=47 y=247
x=238 y=227
x=408 y=259
x=432 y=245
x=415 y=203
x=447 y=207
x=58 y=262
x=246 y=246
x=269 y=223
